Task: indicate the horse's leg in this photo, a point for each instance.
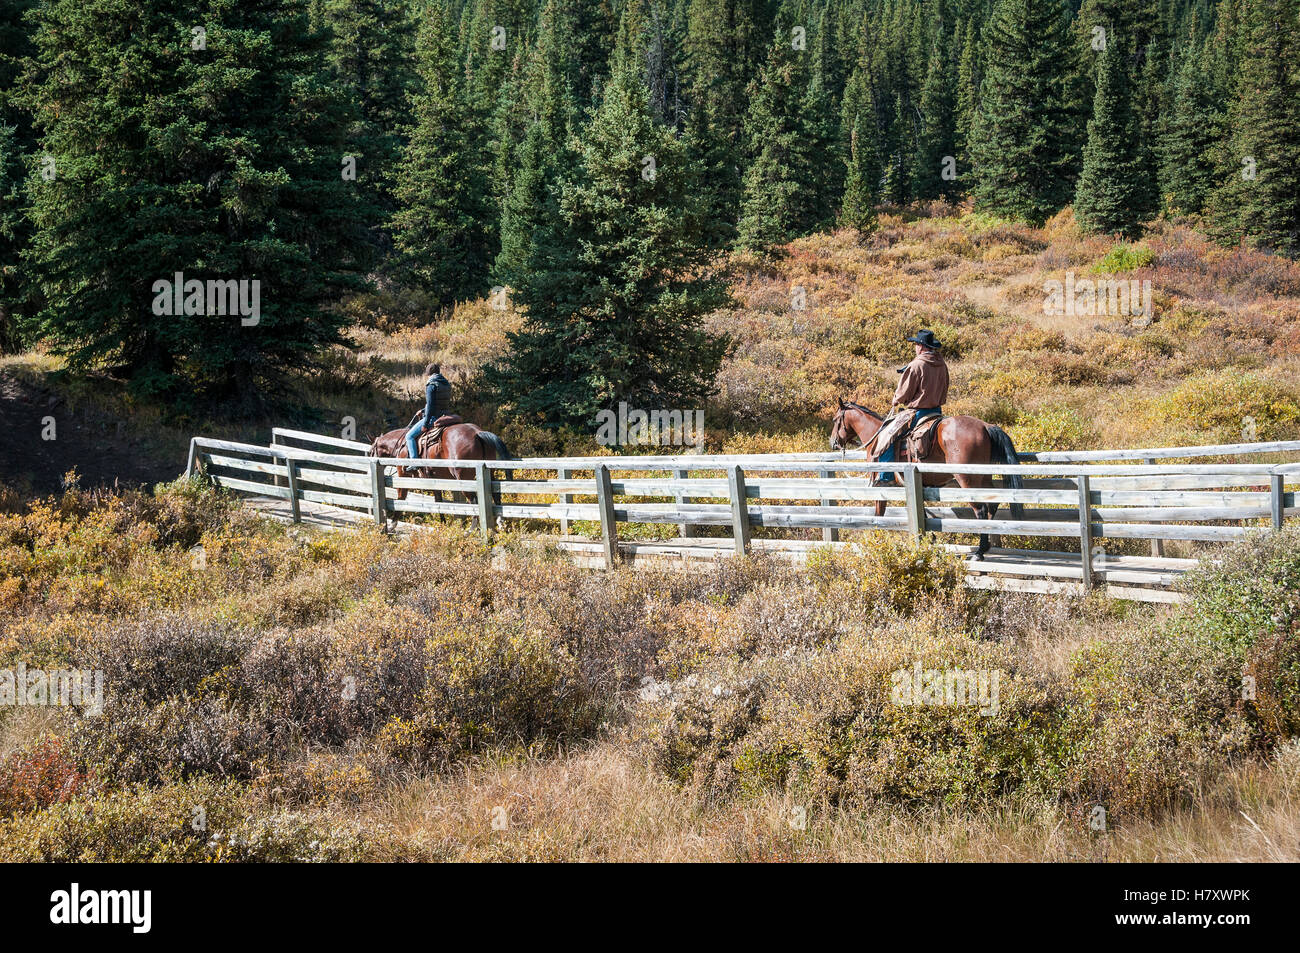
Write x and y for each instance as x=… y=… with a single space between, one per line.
x=977 y=481
x=957 y=443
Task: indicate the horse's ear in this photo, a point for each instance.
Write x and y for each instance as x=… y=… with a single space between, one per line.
x=841 y=400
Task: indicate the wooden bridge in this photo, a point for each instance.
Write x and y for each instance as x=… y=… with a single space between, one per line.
x=723 y=505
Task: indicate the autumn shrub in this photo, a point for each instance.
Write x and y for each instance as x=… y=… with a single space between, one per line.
x=183 y=736
x=164 y=655
x=1053 y=429
x=37 y=776
x=202 y=820
x=827 y=724
x=1233 y=406
x=890 y=570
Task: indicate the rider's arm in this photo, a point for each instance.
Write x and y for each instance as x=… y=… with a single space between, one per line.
x=429 y=391
x=908 y=386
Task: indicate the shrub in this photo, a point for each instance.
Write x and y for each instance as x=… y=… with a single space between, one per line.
x=1123 y=258
x=1053 y=429
x=825 y=724
x=202 y=820
x=891 y=570
x=165 y=655
x=133 y=741
x=38 y=776
x=1228 y=402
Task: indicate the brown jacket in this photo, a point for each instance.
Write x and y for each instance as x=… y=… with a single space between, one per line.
x=924 y=383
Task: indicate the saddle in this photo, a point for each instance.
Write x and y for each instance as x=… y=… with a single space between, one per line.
x=920 y=442
x=428 y=442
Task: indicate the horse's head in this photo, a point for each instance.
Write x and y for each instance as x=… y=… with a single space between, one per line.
x=852 y=422
x=840 y=433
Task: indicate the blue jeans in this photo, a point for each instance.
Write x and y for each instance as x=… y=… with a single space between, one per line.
x=888 y=455
x=413 y=440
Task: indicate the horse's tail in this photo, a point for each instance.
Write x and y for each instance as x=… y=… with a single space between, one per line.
x=1004 y=451
x=497 y=444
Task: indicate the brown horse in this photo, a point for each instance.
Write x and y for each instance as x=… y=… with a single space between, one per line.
x=458 y=442
x=957 y=440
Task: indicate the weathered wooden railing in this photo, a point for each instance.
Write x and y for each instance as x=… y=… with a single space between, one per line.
x=1078 y=500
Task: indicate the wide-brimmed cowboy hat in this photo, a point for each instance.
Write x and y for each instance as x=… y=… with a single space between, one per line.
x=926 y=338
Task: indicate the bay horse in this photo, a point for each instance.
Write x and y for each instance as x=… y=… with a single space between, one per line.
x=958 y=439
x=459 y=441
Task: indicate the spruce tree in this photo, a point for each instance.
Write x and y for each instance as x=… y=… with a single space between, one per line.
x=772 y=210
x=1188 y=172
x=538 y=161
x=1024 y=145
x=936 y=155
x=618 y=290
x=1259 y=198
x=17 y=147
x=726 y=41
x=858 y=209
x=371 y=57
x=969 y=69
x=1111 y=187
x=441 y=227
x=217 y=155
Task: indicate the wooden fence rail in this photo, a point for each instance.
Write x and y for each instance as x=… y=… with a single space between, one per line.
x=1099 y=499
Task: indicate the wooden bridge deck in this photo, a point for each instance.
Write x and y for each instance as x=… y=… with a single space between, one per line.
x=1142 y=578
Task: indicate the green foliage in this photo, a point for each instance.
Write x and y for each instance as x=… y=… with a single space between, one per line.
x=1188 y=173
x=1258 y=199
x=1124 y=257
x=616 y=293
x=1109 y=197
x=1024 y=146
x=1233 y=405
x=1053 y=429
x=221 y=163
x=441 y=228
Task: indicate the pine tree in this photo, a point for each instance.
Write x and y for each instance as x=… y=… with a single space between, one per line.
x=1025 y=142
x=17 y=145
x=858 y=210
x=772 y=207
x=1188 y=173
x=936 y=154
x=441 y=228
x=969 y=70
x=1107 y=198
x=543 y=156
x=371 y=56
x=725 y=44
x=1259 y=201
x=616 y=297
x=217 y=157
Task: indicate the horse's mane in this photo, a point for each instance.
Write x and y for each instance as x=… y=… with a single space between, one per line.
x=865 y=410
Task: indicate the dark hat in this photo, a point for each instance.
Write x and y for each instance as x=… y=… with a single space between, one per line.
x=926 y=338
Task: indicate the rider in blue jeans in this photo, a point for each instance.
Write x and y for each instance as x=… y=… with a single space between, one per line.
x=437 y=398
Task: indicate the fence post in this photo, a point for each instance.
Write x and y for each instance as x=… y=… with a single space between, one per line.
x=1085 y=531
x=291 y=468
x=739 y=509
x=563 y=473
x=1276 y=498
x=829 y=533
x=686 y=530
x=377 y=491
x=915 y=502
x=192 y=461
x=1157 y=545
x=608 y=526
x=483 y=478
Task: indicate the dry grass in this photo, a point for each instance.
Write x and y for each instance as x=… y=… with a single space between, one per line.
x=601 y=804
